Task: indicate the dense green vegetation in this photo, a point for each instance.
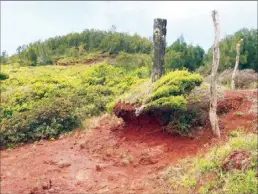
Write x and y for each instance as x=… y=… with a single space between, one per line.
x=169 y=91
x=42 y=102
x=248 y=51
x=180 y=55
x=76 y=44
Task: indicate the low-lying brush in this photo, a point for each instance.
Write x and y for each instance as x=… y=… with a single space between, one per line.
x=245 y=79
x=43 y=102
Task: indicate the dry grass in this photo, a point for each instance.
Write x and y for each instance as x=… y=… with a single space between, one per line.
x=245 y=79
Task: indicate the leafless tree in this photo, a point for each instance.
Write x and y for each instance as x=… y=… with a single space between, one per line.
x=215 y=65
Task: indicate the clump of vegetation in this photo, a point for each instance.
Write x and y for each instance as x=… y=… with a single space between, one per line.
x=48 y=120
x=169 y=91
x=179 y=55
x=3 y=76
x=206 y=175
x=167 y=95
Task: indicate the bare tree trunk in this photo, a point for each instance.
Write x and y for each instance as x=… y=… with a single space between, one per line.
x=159 y=41
x=236 y=65
x=215 y=65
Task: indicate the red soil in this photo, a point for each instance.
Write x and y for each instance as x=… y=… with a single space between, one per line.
x=114 y=157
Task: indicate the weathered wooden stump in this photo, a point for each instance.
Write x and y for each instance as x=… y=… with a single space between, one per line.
x=159 y=41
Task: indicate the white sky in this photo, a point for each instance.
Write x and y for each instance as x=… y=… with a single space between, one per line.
x=25 y=22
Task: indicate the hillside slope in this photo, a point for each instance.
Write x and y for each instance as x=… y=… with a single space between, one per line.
x=117 y=158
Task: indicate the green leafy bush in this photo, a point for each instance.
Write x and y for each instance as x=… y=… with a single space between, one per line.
x=169 y=91
x=3 y=76
x=47 y=120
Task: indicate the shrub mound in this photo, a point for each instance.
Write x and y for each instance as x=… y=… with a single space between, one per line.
x=164 y=100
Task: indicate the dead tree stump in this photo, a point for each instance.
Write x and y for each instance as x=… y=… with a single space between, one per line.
x=159 y=41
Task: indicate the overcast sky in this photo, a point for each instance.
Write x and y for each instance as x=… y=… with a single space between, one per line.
x=25 y=22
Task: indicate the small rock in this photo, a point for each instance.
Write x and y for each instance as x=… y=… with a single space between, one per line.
x=34 y=190
x=45 y=186
x=98 y=168
x=64 y=165
x=50 y=191
x=148 y=161
x=111 y=178
x=83 y=145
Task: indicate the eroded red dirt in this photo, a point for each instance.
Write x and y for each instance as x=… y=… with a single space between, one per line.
x=115 y=157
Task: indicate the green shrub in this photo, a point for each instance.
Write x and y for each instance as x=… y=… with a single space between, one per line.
x=181 y=121
x=48 y=120
x=3 y=76
x=173 y=102
x=171 y=89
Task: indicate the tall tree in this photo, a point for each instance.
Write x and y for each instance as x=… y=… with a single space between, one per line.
x=159 y=40
x=215 y=65
x=248 y=50
x=180 y=55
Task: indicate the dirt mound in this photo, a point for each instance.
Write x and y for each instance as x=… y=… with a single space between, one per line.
x=114 y=157
x=126 y=111
x=230 y=102
x=237 y=160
